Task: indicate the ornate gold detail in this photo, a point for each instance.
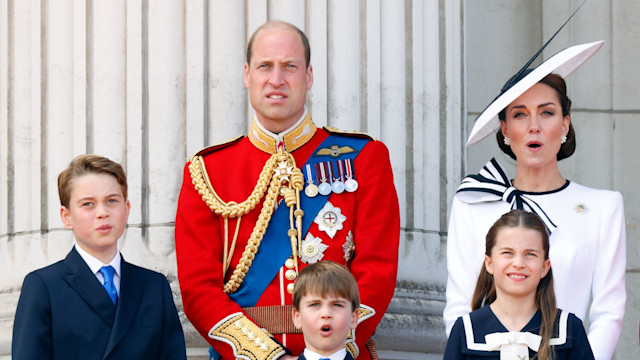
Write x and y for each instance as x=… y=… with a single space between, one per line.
x=269 y=182
x=364 y=312
x=292 y=140
x=248 y=341
x=334 y=151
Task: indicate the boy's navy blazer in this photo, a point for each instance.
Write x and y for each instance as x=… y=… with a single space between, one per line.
x=65 y=313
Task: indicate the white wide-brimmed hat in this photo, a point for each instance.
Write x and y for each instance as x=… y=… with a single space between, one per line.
x=563 y=63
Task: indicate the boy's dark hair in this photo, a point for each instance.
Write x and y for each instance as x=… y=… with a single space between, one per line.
x=88 y=164
x=326 y=278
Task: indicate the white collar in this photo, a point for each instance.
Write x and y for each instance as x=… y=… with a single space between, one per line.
x=338 y=355
x=473 y=345
x=95 y=264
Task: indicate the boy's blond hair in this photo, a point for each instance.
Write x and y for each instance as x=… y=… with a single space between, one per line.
x=88 y=164
x=326 y=278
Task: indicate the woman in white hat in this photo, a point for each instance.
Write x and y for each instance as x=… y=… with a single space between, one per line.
x=587 y=225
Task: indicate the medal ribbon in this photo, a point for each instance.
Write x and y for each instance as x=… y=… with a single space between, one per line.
x=323 y=175
x=349 y=168
x=307 y=169
x=341 y=170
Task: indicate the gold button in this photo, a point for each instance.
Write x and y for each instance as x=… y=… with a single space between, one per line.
x=290 y=288
x=238 y=324
x=251 y=336
x=258 y=341
x=290 y=275
x=244 y=330
x=290 y=263
x=264 y=347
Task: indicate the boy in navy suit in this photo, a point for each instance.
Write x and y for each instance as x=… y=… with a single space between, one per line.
x=94 y=304
x=325 y=307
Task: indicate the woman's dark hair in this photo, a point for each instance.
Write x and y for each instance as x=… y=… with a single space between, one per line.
x=485 y=292
x=559 y=85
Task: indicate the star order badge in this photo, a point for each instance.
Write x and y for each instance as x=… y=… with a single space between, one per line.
x=312 y=249
x=349 y=247
x=330 y=219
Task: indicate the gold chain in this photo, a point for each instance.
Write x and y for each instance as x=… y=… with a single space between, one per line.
x=280 y=170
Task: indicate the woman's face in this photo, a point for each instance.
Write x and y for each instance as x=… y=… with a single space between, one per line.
x=534 y=124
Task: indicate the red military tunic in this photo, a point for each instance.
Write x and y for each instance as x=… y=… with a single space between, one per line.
x=372 y=217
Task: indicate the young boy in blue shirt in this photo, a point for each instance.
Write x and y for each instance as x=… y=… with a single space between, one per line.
x=94 y=304
x=325 y=307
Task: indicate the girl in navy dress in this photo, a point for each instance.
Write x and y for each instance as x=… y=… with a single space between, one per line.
x=514 y=306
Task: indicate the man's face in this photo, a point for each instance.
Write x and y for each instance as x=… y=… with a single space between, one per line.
x=277 y=77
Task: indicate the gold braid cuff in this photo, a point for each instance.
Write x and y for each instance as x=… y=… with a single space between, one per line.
x=246 y=338
x=278 y=176
x=364 y=312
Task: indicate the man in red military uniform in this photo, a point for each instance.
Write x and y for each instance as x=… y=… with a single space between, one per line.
x=256 y=210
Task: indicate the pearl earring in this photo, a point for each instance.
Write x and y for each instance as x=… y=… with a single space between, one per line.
x=507 y=141
x=563 y=139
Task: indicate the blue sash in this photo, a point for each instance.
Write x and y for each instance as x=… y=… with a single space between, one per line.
x=275 y=247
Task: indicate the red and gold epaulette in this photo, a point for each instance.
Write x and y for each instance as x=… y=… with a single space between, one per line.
x=333 y=130
x=213 y=148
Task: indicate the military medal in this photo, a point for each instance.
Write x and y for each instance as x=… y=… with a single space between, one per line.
x=349 y=247
x=312 y=249
x=350 y=184
x=324 y=188
x=330 y=219
x=338 y=184
x=311 y=189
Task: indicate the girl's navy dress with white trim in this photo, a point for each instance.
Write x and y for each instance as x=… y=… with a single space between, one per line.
x=467 y=339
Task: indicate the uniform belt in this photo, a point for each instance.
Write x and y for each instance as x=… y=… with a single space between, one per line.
x=275 y=319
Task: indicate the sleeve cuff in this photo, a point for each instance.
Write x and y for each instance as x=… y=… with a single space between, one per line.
x=247 y=340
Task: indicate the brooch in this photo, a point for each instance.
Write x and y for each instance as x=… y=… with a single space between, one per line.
x=581 y=208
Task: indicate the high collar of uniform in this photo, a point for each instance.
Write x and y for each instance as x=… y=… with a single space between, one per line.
x=292 y=138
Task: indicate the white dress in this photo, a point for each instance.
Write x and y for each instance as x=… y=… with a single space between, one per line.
x=587 y=252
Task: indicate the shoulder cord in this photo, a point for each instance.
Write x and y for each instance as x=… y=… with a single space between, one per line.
x=278 y=176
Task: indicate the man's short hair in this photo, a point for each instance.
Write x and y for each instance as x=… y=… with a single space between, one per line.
x=275 y=23
x=88 y=164
x=326 y=278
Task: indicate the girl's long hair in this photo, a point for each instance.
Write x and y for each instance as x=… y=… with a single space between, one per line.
x=485 y=292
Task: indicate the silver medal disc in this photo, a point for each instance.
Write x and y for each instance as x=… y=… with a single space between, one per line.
x=324 y=189
x=351 y=185
x=338 y=187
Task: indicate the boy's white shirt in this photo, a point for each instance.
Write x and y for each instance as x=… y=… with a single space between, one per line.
x=338 y=355
x=95 y=265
